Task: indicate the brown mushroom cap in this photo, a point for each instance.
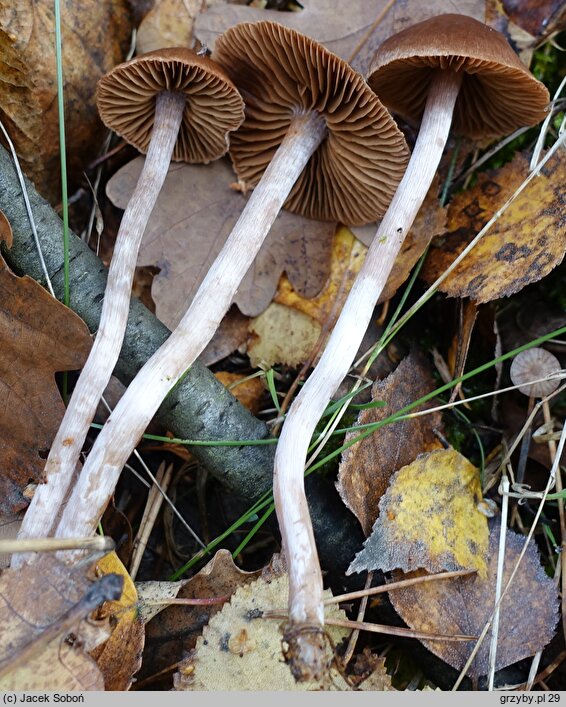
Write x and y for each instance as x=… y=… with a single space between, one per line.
x=354 y=173
x=498 y=93
x=126 y=102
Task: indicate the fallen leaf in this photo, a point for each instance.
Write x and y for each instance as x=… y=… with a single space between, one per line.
x=536 y=16
x=525 y=243
x=38 y=336
x=34 y=602
x=367 y=467
x=119 y=658
x=168 y=24
x=353 y=35
x=528 y=613
x=174 y=631
x=5 y=230
x=230 y=335
x=281 y=335
x=430 y=222
x=195 y=213
x=241 y=650
x=249 y=391
x=95 y=37
x=346 y=258
x=429 y=519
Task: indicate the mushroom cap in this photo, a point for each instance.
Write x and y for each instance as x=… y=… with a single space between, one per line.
x=353 y=174
x=498 y=93
x=531 y=365
x=126 y=102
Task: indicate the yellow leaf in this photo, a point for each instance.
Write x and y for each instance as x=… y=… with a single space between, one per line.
x=429 y=518
x=523 y=245
x=346 y=260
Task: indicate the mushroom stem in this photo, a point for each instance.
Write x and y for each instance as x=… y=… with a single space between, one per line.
x=41 y=516
x=164 y=369
x=305 y=580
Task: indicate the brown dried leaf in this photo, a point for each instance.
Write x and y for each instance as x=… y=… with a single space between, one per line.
x=528 y=614
x=429 y=518
x=367 y=467
x=119 y=658
x=249 y=391
x=344 y=33
x=38 y=336
x=32 y=601
x=174 y=631
x=230 y=335
x=189 y=225
x=525 y=243
x=430 y=222
x=168 y=24
x=537 y=17
x=95 y=36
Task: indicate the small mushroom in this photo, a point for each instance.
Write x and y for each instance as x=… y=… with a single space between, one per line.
x=534 y=373
x=315 y=138
x=447 y=70
x=170 y=104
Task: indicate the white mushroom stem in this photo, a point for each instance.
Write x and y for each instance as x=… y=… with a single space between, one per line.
x=42 y=515
x=160 y=374
x=305 y=580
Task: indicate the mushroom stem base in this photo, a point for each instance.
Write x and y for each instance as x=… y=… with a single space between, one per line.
x=305 y=595
x=42 y=514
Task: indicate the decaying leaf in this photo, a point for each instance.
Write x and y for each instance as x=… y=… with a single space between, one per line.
x=429 y=519
x=353 y=35
x=95 y=37
x=241 y=650
x=168 y=24
x=281 y=335
x=34 y=602
x=195 y=213
x=119 y=658
x=249 y=391
x=174 y=631
x=430 y=222
x=537 y=18
x=366 y=467
x=528 y=613
x=230 y=335
x=524 y=244
x=346 y=258
x=38 y=336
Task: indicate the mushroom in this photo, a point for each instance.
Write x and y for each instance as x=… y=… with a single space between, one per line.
x=446 y=70
x=534 y=373
x=170 y=104
x=324 y=146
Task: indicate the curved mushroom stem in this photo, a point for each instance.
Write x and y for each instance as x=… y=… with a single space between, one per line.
x=164 y=369
x=43 y=512
x=306 y=616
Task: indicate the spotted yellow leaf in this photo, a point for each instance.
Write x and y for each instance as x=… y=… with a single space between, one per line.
x=429 y=518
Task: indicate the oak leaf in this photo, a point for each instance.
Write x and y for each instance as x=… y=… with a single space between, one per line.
x=353 y=35
x=195 y=213
x=38 y=336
